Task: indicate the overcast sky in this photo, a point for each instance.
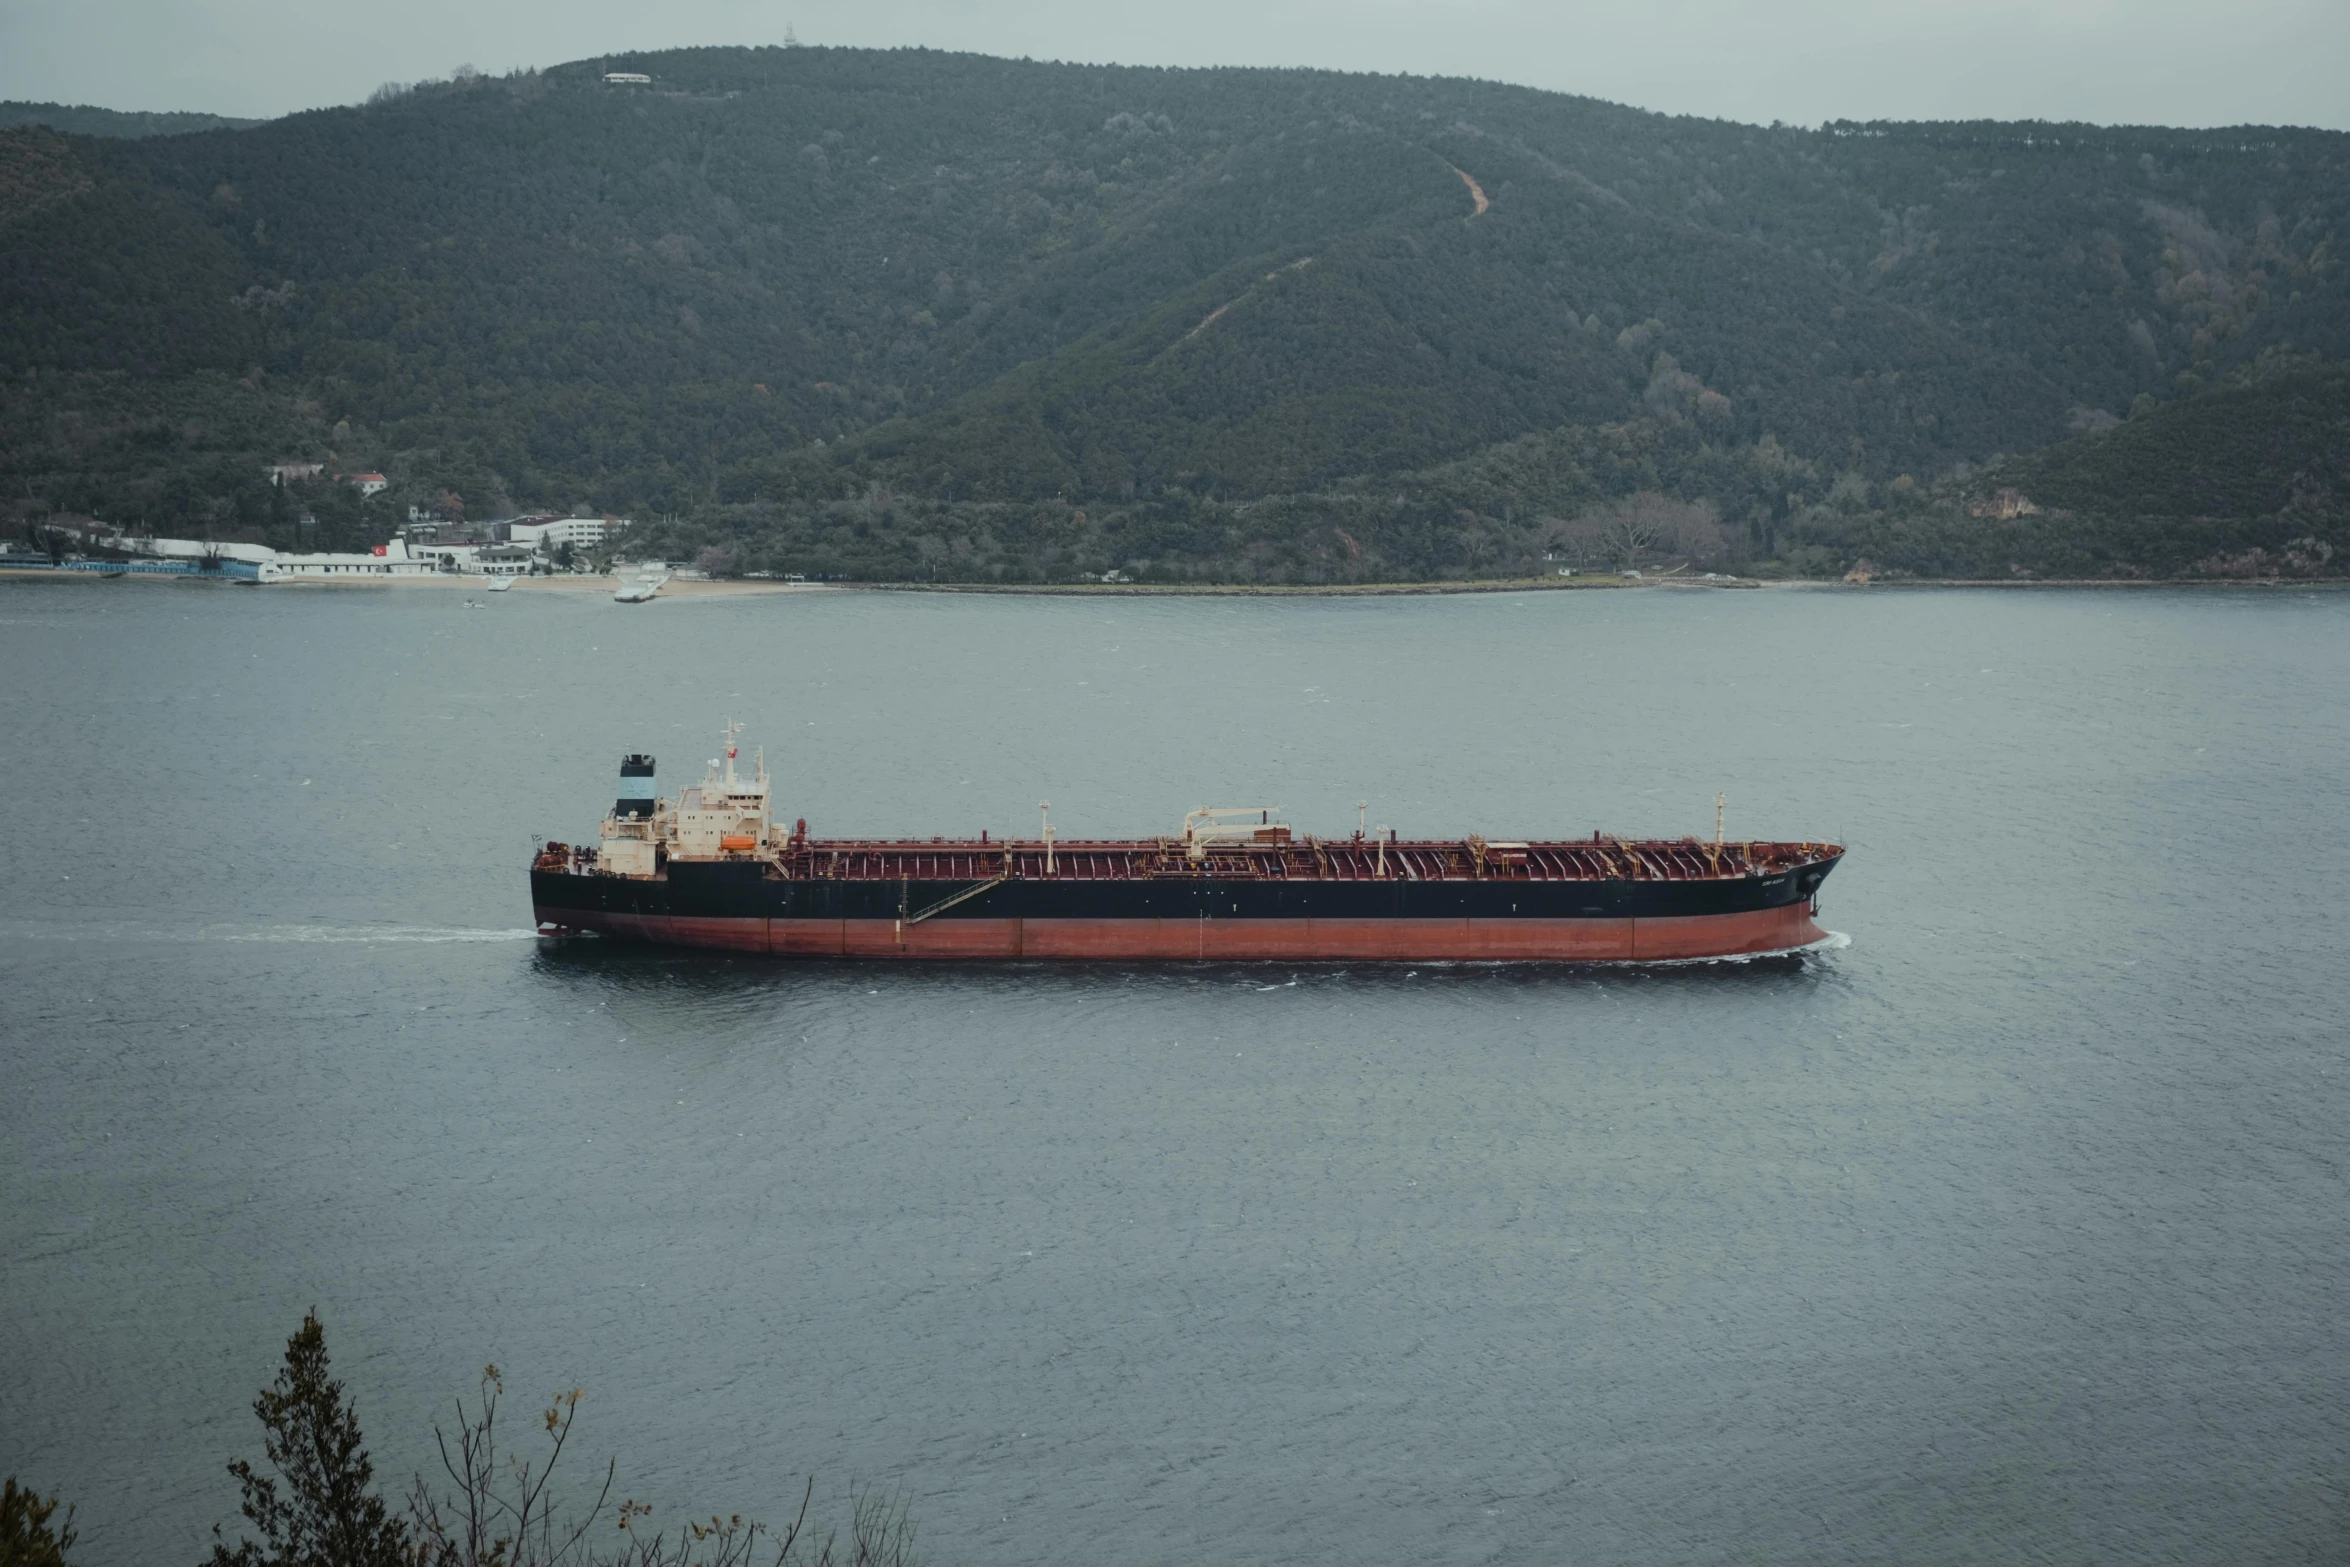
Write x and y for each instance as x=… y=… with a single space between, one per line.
x=2176 y=62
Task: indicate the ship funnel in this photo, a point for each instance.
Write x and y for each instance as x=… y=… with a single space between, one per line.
x=638 y=788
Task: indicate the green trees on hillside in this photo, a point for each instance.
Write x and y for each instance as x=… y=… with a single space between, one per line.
x=776 y=280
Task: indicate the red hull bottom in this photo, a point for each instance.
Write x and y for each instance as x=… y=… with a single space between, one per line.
x=1383 y=941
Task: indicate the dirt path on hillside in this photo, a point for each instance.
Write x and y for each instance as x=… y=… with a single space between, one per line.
x=1476 y=191
x=1208 y=319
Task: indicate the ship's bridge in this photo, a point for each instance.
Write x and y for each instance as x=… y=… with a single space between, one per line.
x=727 y=813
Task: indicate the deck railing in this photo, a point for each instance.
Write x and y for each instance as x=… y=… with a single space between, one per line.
x=1307 y=860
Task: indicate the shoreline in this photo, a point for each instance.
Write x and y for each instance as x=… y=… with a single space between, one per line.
x=739 y=588
x=1544 y=585
x=472 y=584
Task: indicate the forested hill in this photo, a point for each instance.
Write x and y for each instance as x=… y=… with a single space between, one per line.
x=910 y=313
x=83 y=119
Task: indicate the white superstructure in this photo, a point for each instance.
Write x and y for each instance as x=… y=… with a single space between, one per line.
x=725 y=816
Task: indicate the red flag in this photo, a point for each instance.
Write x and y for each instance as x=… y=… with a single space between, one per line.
x=383 y=549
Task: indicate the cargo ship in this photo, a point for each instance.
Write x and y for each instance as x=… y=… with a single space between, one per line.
x=711 y=868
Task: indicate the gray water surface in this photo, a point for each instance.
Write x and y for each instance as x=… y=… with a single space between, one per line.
x=2015 y=1230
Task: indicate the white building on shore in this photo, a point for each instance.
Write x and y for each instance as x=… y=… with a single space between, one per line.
x=402 y=557
x=177 y=549
x=552 y=533
x=385 y=560
x=473 y=560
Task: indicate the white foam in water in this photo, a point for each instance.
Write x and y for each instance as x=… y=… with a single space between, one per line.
x=1833 y=941
x=374 y=933
x=349 y=935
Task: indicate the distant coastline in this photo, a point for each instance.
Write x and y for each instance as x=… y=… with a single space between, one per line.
x=739 y=588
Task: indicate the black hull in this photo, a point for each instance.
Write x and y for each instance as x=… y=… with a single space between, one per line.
x=741 y=889
x=739 y=905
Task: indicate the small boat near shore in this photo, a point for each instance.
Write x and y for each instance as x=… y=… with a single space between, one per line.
x=642 y=589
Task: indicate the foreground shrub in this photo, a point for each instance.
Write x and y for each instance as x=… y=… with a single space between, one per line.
x=26 y=1540
x=494 y=1508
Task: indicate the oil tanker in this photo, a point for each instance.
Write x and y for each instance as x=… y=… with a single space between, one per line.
x=711 y=868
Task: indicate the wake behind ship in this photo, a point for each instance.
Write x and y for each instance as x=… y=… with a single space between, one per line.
x=712 y=869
